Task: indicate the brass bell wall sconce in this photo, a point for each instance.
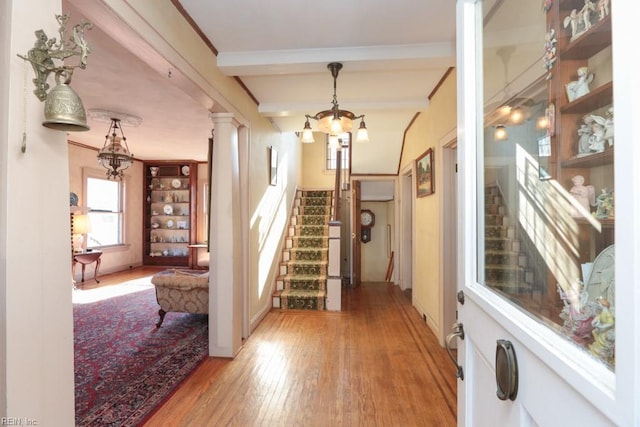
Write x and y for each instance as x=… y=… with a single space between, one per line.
x=63 y=108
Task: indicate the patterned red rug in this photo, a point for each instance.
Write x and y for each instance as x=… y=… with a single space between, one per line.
x=125 y=366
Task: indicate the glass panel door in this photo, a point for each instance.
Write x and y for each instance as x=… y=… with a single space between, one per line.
x=547 y=205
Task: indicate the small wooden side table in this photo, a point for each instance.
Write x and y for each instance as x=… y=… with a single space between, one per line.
x=86 y=258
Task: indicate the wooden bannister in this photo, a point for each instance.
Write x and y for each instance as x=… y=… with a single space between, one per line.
x=336 y=192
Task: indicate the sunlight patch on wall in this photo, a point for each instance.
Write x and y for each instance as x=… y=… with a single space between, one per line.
x=270 y=217
x=545 y=209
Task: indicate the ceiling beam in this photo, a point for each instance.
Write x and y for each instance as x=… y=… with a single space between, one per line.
x=302 y=61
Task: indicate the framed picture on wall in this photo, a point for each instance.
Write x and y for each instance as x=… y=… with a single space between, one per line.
x=273 y=166
x=424 y=174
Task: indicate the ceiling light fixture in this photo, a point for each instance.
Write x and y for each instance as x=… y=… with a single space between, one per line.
x=500 y=133
x=517 y=116
x=115 y=156
x=334 y=121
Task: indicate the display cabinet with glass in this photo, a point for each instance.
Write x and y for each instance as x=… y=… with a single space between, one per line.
x=169 y=212
x=549 y=213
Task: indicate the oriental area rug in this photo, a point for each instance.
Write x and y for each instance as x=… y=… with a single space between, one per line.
x=125 y=367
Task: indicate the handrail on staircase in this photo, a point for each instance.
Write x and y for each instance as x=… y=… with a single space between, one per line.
x=336 y=192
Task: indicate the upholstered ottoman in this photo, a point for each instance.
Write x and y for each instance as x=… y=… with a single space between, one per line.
x=184 y=291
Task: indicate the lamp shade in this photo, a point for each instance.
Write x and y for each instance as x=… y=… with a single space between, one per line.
x=81 y=224
x=326 y=121
x=363 y=134
x=307 y=133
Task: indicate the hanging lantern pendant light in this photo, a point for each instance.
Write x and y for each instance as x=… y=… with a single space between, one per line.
x=115 y=156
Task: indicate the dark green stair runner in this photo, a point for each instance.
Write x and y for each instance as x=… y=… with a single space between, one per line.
x=302 y=283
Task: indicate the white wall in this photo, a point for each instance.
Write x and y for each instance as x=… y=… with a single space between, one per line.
x=37 y=318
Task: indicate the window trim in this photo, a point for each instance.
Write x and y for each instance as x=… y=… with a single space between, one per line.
x=100 y=174
x=344 y=160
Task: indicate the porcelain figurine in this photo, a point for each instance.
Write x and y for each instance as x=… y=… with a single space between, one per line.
x=585 y=195
x=604 y=333
x=604 y=201
x=580 y=87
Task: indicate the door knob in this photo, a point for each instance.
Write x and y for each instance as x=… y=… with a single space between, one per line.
x=457 y=331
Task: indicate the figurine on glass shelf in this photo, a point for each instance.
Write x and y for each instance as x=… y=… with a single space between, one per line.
x=585 y=195
x=605 y=205
x=580 y=87
x=604 y=333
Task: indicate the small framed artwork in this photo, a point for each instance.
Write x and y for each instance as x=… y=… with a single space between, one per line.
x=544 y=154
x=424 y=174
x=273 y=166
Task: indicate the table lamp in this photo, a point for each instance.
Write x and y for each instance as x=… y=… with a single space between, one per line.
x=81 y=226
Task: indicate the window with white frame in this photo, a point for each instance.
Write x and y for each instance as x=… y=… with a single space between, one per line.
x=345 y=142
x=105 y=205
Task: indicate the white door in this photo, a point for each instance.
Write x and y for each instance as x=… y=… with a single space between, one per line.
x=531 y=355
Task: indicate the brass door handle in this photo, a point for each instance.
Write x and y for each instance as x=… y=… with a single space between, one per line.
x=456 y=332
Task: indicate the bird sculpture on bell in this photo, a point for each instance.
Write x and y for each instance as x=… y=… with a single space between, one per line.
x=63 y=108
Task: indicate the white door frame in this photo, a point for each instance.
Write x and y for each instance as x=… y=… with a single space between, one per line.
x=448 y=234
x=406 y=227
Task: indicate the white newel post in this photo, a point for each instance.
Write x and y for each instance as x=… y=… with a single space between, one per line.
x=334 y=281
x=225 y=237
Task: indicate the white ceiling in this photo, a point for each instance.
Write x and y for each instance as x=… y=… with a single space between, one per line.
x=394 y=54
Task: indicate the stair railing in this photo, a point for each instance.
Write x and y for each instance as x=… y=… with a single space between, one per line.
x=336 y=189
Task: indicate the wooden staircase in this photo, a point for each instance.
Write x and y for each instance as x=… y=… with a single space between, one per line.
x=302 y=282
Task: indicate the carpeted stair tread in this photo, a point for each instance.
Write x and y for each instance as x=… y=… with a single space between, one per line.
x=304 y=292
x=302 y=277
x=307 y=262
x=309 y=249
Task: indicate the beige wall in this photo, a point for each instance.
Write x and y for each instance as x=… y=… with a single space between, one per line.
x=428 y=131
x=268 y=206
x=82 y=160
x=375 y=254
x=314 y=173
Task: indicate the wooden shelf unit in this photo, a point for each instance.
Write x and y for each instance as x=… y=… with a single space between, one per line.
x=169 y=214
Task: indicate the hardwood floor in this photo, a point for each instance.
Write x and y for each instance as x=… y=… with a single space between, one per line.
x=374 y=363
x=114 y=279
